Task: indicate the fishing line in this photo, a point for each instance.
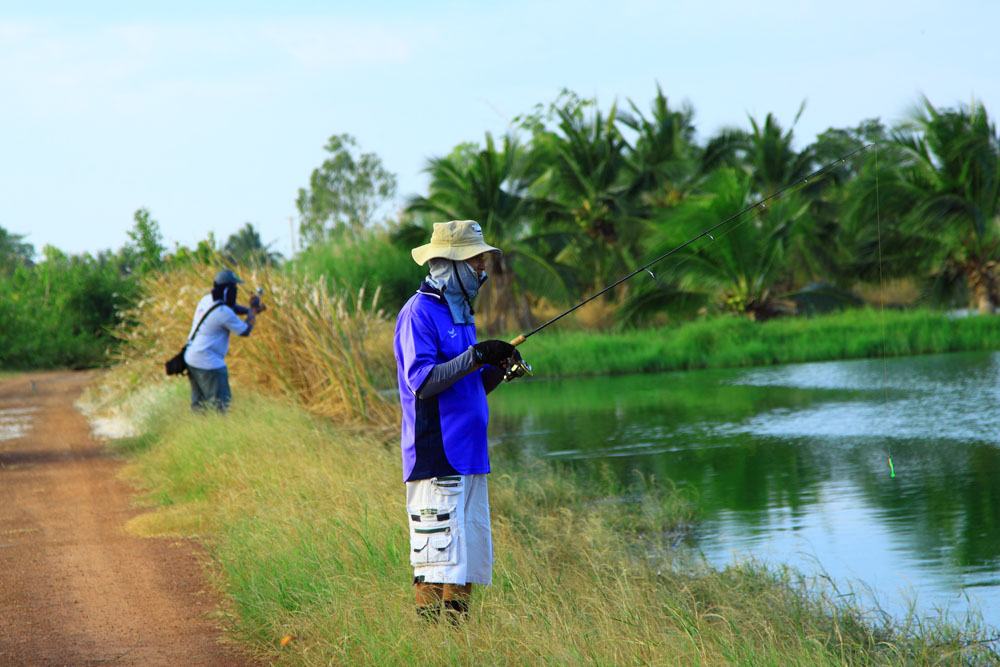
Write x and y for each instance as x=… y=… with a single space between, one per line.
x=756 y=214
x=881 y=296
x=759 y=204
x=715 y=238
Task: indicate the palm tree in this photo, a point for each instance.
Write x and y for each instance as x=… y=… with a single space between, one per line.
x=844 y=251
x=491 y=185
x=588 y=195
x=663 y=159
x=740 y=268
x=767 y=153
x=771 y=157
x=245 y=247
x=943 y=193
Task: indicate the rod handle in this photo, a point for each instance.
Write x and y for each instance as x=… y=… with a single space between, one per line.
x=520 y=339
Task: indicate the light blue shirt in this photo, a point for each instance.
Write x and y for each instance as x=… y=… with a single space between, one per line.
x=208 y=349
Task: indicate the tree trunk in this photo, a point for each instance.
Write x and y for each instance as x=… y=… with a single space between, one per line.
x=983 y=304
x=982 y=281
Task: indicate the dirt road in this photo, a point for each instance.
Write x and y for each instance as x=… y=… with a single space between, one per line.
x=75 y=589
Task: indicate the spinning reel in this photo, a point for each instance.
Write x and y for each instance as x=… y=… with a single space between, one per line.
x=515 y=368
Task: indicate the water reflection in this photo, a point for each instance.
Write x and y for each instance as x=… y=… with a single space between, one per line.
x=791 y=462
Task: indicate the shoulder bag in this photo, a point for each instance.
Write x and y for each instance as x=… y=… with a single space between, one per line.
x=177 y=365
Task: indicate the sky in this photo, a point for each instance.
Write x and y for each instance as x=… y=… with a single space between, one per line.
x=213 y=114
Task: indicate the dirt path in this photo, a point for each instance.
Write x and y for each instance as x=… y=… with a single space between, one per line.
x=75 y=589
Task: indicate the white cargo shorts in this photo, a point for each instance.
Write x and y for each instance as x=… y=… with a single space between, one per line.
x=450 y=537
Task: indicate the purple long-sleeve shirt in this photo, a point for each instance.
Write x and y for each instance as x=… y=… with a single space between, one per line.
x=446 y=433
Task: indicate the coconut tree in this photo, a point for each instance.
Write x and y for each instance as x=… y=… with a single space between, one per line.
x=740 y=268
x=942 y=195
x=492 y=186
x=840 y=243
x=770 y=155
x=767 y=152
x=662 y=160
x=245 y=247
x=956 y=167
x=587 y=194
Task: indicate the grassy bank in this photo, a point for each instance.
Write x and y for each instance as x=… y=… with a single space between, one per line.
x=731 y=341
x=306 y=531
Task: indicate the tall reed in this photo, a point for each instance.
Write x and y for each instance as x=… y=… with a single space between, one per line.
x=309 y=346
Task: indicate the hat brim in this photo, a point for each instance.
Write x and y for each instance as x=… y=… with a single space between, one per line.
x=457 y=253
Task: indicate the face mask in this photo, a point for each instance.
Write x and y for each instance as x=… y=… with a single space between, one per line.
x=225 y=293
x=459 y=283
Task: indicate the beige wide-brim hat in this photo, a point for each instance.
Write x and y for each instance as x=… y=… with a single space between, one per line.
x=457 y=240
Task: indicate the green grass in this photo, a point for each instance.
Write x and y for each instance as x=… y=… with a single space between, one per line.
x=306 y=530
x=731 y=341
x=372 y=261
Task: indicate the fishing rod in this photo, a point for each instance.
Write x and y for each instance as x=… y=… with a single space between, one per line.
x=515 y=371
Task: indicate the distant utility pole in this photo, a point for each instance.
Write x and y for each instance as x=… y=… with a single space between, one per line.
x=291 y=232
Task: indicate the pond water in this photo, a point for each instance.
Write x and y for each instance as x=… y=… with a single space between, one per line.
x=790 y=464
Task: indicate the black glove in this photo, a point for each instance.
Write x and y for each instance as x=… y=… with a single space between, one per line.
x=492 y=351
x=256 y=304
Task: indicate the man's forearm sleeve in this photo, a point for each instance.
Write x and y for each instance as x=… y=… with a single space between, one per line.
x=444 y=375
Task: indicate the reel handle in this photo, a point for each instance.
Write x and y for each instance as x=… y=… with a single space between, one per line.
x=519 y=368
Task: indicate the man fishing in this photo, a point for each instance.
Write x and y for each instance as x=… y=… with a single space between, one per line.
x=444 y=376
x=214 y=319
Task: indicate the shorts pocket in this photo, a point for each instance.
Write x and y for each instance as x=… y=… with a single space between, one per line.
x=448 y=486
x=433 y=543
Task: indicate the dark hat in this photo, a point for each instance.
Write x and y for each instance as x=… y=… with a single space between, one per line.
x=226 y=277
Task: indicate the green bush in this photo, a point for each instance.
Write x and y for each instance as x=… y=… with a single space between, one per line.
x=57 y=313
x=369 y=260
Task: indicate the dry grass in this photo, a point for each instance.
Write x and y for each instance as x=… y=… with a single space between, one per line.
x=896 y=292
x=598 y=315
x=308 y=347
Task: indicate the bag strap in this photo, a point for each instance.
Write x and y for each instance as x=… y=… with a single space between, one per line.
x=202 y=321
